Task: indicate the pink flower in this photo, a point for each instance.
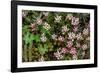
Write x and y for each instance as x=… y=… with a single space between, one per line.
x=61 y=39
x=78 y=45
x=64 y=50
x=69 y=44
x=75 y=29
x=33 y=26
x=71 y=35
x=75 y=21
x=58 y=55
x=64 y=29
x=69 y=16
x=39 y=21
x=73 y=51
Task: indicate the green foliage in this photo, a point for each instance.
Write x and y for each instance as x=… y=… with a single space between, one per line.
x=38 y=41
x=42 y=49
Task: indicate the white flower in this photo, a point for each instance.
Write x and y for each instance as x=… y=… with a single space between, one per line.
x=61 y=38
x=54 y=37
x=75 y=21
x=43 y=38
x=79 y=36
x=58 y=55
x=64 y=29
x=45 y=13
x=71 y=35
x=86 y=31
x=57 y=18
x=46 y=26
x=39 y=21
x=84 y=47
x=69 y=16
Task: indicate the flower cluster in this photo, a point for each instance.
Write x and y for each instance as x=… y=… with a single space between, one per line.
x=52 y=36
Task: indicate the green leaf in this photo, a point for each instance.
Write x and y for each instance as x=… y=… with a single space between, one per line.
x=26 y=38
x=43 y=49
x=36 y=38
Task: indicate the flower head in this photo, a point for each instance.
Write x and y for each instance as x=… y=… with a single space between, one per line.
x=69 y=16
x=39 y=21
x=79 y=36
x=69 y=44
x=58 y=55
x=54 y=37
x=45 y=13
x=57 y=18
x=78 y=45
x=71 y=35
x=33 y=26
x=43 y=38
x=75 y=28
x=75 y=21
x=86 y=31
x=84 y=46
x=61 y=39
x=46 y=26
x=64 y=50
x=64 y=29
x=73 y=51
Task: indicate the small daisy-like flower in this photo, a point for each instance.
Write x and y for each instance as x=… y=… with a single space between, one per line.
x=46 y=26
x=71 y=35
x=73 y=51
x=75 y=21
x=64 y=50
x=33 y=26
x=57 y=18
x=85 y=31
x=43 y=38
x=45 y=13
x=84 y=46
x=39 y=21
x=69 y=16
x=69 y=44
x=41 y=59
x=61 y=39
x=79 y=36
x=64 y=29
x=58 y=55
x=54 y=37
